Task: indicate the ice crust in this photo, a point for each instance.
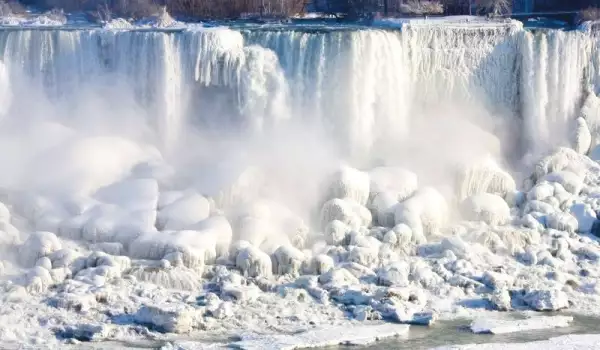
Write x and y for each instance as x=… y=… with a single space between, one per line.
x=499 y=326
x=194 y=201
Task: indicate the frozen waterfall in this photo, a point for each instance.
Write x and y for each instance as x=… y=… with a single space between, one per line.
x=367 y=89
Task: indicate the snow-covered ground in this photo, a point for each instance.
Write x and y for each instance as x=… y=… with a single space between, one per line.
x=260 y=189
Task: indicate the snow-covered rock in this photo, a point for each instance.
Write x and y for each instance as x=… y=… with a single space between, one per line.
x=426 y=212
x=487 y=207
x=37 y=245
x=183 y=213
x=335 y=232
x=166 y=318
x=562 y=222
x=484 y=177
x=395 y=274
x=581 y=136
x=584 y=215
x=253 y=262
x=571 y=182
x=349 y=183
x=546 y=300
x=383 y=206
x=287 y=260
x=346 y=211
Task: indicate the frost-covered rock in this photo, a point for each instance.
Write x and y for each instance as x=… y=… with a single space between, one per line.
x=349 y=183
x=426 y=212
x=584 y=215
x=37 y=245
x=346 y=211
x=183 y=213
x=287 y=260
x=253 y=262
x=166 y=318
x=484 y=177
x=581 y=136
x=546 y=300
x=487 y=207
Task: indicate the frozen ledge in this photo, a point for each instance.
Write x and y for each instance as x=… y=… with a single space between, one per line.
x=574 y=341
x=320 y=337
x=497 y=326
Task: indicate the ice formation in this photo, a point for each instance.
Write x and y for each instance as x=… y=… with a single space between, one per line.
x=175 y=178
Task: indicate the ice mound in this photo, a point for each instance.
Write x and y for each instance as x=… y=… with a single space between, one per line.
x=331 y=336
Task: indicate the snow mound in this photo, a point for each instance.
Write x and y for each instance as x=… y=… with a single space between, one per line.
x=487 y=207
x=322 y=337
x=501 y=326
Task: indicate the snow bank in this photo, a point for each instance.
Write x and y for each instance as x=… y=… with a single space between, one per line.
x=322 y=337
x=502 y=326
